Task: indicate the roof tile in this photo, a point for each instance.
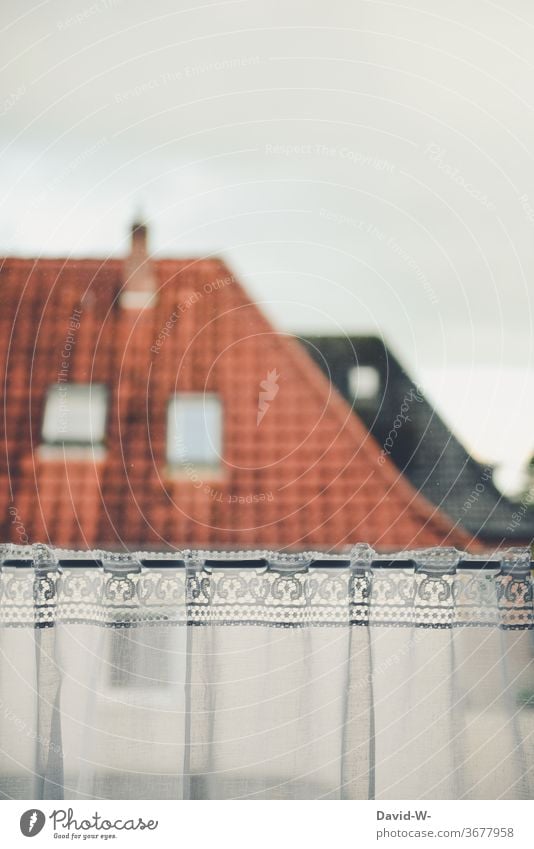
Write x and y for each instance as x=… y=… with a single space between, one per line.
x=307 y=474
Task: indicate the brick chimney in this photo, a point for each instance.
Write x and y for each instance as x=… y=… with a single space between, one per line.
x=139 y=289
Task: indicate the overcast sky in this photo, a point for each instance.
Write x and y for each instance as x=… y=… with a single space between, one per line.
x=363 y=166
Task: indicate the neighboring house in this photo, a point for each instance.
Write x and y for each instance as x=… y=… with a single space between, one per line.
x=418 y=441
x=151 y=404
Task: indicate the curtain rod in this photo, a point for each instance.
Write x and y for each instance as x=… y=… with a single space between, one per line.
x=290 y=565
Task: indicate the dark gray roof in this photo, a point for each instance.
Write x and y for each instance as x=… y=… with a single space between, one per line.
x=419 y=442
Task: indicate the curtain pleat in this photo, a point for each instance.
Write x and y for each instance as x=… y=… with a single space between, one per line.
x=49 y=778
x=284 y=681
x=358 y=723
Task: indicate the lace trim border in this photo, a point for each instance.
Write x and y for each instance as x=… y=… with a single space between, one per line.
x=395 y=597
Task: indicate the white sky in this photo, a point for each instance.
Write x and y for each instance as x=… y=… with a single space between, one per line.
x=363 y=166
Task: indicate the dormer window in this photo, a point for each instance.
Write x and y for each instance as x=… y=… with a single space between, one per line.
x=194 y=430
x=364 y=382
x=75 y=415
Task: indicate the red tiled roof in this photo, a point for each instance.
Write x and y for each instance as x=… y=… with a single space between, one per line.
x=307 y=475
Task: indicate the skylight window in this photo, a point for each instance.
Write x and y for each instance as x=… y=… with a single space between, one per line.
x=75 y=414
x=364 y=382
x=194 y=429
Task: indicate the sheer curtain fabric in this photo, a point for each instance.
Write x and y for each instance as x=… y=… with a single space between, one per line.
x=264 y=676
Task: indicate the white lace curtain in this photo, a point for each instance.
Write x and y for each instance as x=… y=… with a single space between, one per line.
x=257 y=675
